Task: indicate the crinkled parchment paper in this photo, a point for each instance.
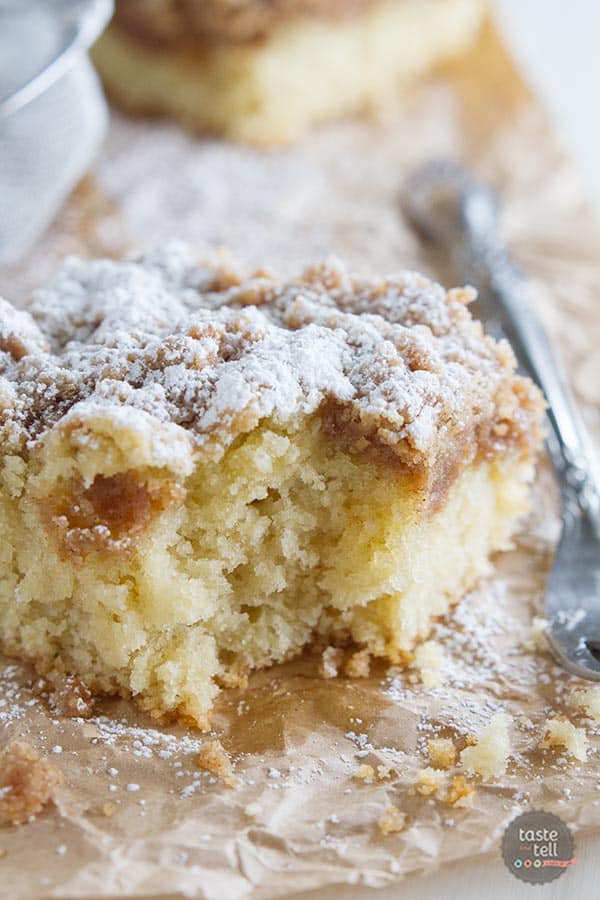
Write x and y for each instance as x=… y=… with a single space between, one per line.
x=299 y=820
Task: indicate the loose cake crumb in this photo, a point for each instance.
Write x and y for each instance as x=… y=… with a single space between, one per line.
x=442 y=752
x=460 y=794
x=559 y=732
x=71 y=697
x=359 y=665
x=67 y=695
x=213 y=758
x=252 y=810
x=27 y=782
x=108 y=810
x=536 y=642
x=392 y=821
x=364 y=773
x=429 y=661
x=234 y=679
x=430 y=781
x=587 y=700
x=489 y=755
x=331 y=660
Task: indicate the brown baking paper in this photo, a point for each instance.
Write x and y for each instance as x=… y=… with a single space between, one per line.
x=298 y=820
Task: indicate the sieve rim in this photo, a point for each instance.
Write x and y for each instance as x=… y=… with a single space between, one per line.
x=81 y=22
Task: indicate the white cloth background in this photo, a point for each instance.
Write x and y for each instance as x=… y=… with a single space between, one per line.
x=557 y=44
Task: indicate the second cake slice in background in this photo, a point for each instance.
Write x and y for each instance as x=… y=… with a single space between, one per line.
x=263 y=72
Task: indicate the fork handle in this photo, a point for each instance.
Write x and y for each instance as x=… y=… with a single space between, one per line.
x=503 y=292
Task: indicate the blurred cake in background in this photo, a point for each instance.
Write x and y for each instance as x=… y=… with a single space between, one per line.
x=264 y=70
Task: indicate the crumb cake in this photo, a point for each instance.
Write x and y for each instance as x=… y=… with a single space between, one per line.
x=204 y=471
x=264 y=70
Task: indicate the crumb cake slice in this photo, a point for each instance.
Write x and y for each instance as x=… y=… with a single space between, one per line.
x=264 y=71
x=204 y=471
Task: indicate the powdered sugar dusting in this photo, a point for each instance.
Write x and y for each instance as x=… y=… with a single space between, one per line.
x=211 y=349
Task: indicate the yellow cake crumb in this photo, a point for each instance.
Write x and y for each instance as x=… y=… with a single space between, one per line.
x=587 y=700
x=429 y=660
x=364 y=773
x=213 y=758
x=489 y=755
x=460 y=794
x=253 y=809
x=559 y=732
x=331 y=660
x=359 y=665
x=430 y=781
x=442 y=752
x=536 y=642
x=108 y=810
x=392 y=821
x=27 y=782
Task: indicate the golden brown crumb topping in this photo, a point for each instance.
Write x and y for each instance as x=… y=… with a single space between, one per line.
x=191 y=356
x=27 y=782
x=221 y=21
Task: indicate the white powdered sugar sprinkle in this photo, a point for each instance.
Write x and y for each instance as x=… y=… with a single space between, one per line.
x=209 y=351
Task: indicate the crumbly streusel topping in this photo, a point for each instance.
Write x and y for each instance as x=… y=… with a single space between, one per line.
x=395 y=366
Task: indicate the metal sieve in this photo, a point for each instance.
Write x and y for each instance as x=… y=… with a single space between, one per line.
x=53 y=115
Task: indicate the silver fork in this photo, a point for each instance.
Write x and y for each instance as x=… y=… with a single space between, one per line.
x=459 y=214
